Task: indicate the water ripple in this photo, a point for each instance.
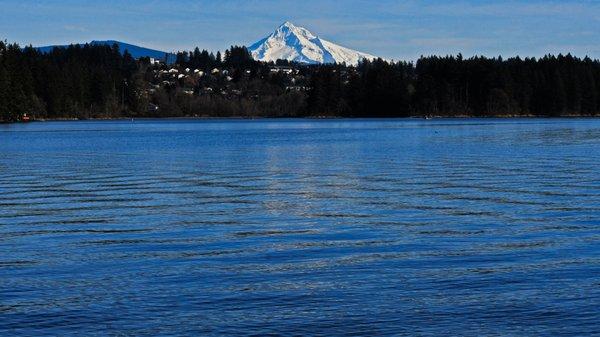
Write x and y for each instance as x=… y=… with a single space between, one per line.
x=276 y=227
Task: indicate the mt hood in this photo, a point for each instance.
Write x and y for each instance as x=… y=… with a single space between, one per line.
x=297 y=44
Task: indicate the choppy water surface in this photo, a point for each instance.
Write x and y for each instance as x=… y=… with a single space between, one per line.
x=337 y=227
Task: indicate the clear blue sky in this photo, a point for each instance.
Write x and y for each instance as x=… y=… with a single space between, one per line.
x=391 y=29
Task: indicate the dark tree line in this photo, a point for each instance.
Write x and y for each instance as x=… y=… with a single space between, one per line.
x=236 y=57
x=74 y=82
x=453 y=86
x=102 y=82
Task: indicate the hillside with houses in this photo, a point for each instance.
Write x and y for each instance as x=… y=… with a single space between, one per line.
x=202 y=84
x=101 y=81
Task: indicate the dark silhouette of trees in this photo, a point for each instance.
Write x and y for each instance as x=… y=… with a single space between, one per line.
x=74 y=82
x=452 y=86
x=102 y=82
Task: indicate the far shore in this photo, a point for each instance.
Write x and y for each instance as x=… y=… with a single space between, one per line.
x=299 y=118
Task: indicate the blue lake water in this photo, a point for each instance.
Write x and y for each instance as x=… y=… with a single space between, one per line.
x=474 y=227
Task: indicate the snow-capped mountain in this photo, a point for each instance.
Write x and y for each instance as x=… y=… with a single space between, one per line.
x=293 y=43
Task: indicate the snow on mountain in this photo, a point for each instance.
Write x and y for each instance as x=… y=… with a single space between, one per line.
x=293 y=43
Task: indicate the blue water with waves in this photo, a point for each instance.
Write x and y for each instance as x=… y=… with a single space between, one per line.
x=470 y=227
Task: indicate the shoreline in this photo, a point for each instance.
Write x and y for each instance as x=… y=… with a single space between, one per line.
x=299 y=118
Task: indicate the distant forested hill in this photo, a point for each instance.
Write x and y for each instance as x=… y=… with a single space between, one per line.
x=135 y=51
x=104 y=81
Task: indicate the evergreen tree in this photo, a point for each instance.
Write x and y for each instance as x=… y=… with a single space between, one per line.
x=100 y=81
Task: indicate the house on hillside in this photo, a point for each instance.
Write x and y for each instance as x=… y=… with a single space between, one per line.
x=283 y=69
x=154 y=62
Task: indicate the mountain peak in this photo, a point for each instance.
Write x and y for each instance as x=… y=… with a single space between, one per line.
x=298 y=44
x=288 y=29
x=287 y=24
